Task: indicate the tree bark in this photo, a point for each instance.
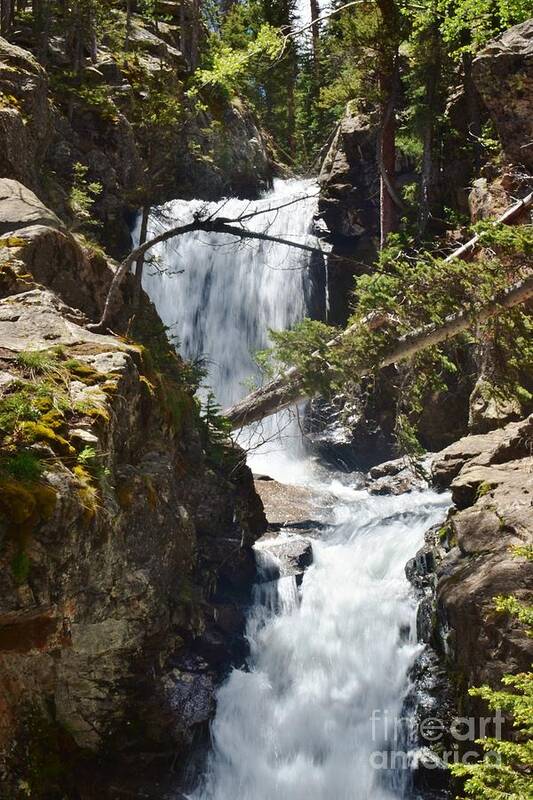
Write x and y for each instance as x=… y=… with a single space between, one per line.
x=315 y=14
x=432 y=76
x=388 y=215
x=388 y=77
x=7 y=10
x=128 y=25
x=139 y=266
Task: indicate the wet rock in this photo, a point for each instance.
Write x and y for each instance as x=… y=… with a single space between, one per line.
x=293 y=554
x=394 y=477
x=288 y=506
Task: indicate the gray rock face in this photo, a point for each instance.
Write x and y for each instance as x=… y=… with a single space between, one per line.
x=469 y=560
x=495 y=447
x=21 y=208
x=123 y=573
x=25 y=119
x=503 y=74
x=394 y=477
x=349 y=178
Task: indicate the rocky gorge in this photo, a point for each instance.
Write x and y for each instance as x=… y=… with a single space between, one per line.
x=130 y=523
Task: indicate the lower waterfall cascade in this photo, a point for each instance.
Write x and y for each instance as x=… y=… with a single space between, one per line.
x=311 y=715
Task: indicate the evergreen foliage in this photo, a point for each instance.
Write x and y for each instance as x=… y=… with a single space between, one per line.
x=506 y=771
x=407 y=290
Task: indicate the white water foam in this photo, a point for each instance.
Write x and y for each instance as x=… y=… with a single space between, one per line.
x=296 y=724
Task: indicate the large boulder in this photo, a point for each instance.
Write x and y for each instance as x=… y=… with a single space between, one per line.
x=503 y=74
x=349 y=178
x=21 y=208
x=491 y=480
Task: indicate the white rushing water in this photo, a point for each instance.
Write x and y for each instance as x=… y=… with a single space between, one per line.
x=231 y=292
x=312 y=715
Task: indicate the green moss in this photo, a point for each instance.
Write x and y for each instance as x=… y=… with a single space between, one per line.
x=83 y=372
x=55 y=420
x=92 y=410
x=24 y=504
x=39 y=432
x=151 y=492
x=443 y=533
x=23 y=466
x=125 y=494
x=20 y=567
x=11 y=241
x=483 y=489
x=87 y=492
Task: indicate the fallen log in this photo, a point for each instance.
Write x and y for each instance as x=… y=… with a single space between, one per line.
x=289 y=387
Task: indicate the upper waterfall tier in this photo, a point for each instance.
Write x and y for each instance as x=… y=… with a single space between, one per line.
x=219 y=296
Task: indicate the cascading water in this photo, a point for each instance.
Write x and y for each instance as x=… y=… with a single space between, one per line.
x=313 y=714
x=219 y=296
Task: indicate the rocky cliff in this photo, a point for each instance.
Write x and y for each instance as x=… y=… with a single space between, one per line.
x=127 y=120
x=477 y=555
x=126 y=526
x=363 y=434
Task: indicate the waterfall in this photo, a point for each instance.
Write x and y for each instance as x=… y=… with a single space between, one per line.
x=219 y=297
x=314 y=714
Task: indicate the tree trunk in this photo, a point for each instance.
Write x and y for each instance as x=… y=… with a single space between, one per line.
x=195 y=33
x=128 y=25
x=139 y=265
x=388 y=77
x=432 y=77
x=315 y=13
x=6 y=16
x=287 y=388
x=473 y=110
x=388 y=215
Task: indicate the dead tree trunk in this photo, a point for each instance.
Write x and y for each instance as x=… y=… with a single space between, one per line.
x=432 y=77
x=388 y=213
x=289 y=387
x=139 y=266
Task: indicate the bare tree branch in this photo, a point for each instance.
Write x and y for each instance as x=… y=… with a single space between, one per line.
x=209 y=225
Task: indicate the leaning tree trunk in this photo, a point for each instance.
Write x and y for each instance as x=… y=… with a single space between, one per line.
x=289 y=387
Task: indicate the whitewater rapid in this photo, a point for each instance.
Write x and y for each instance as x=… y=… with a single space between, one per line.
x=311 y=717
